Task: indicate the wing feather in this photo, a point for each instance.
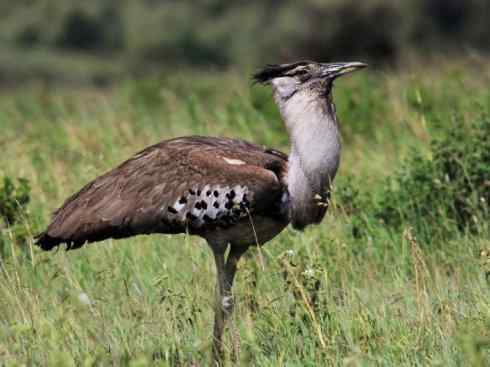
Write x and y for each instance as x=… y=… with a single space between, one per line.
x=180 y=185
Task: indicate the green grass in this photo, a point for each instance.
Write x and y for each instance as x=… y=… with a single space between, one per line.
x=323 y=297
x=48 y=66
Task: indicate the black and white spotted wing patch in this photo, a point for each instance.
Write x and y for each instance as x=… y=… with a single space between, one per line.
x=209 y=206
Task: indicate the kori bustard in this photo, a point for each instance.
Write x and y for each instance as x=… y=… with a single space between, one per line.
x=232 y=193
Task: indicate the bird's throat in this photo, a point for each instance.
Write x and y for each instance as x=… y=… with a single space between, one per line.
x=313 y=162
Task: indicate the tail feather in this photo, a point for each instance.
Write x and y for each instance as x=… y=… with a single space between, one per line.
x=46 y=242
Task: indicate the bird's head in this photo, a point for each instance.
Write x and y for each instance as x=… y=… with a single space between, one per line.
x=304 y=76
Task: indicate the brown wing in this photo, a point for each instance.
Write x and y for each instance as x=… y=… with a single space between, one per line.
x=191 y=184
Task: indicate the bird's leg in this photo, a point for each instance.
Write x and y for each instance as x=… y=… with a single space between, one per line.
x=219 y=316
x=225 y=272
x=231 y=267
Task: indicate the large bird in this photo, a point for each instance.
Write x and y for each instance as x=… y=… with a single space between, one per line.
x=232 y=193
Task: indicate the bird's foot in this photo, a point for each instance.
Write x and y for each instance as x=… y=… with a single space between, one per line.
x=235 y=343
x=228 y=304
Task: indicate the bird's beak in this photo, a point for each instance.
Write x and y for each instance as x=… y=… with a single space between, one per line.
x=338 y=69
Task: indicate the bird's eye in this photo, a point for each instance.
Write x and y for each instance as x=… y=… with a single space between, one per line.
x=301 y=72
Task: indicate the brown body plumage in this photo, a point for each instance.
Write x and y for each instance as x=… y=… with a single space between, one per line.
x=211 y=187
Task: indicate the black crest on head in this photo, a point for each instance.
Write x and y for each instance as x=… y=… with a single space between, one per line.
x=274 y=71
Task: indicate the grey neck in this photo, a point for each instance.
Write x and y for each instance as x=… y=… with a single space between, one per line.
x=314 y=157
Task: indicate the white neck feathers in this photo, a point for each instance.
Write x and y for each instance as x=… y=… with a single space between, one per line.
x=315 y=154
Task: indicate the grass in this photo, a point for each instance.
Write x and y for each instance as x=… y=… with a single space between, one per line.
x=48 y=66
x=323 y=297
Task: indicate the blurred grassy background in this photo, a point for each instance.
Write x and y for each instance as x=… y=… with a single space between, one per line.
x=397 y=274
x=100 y=41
